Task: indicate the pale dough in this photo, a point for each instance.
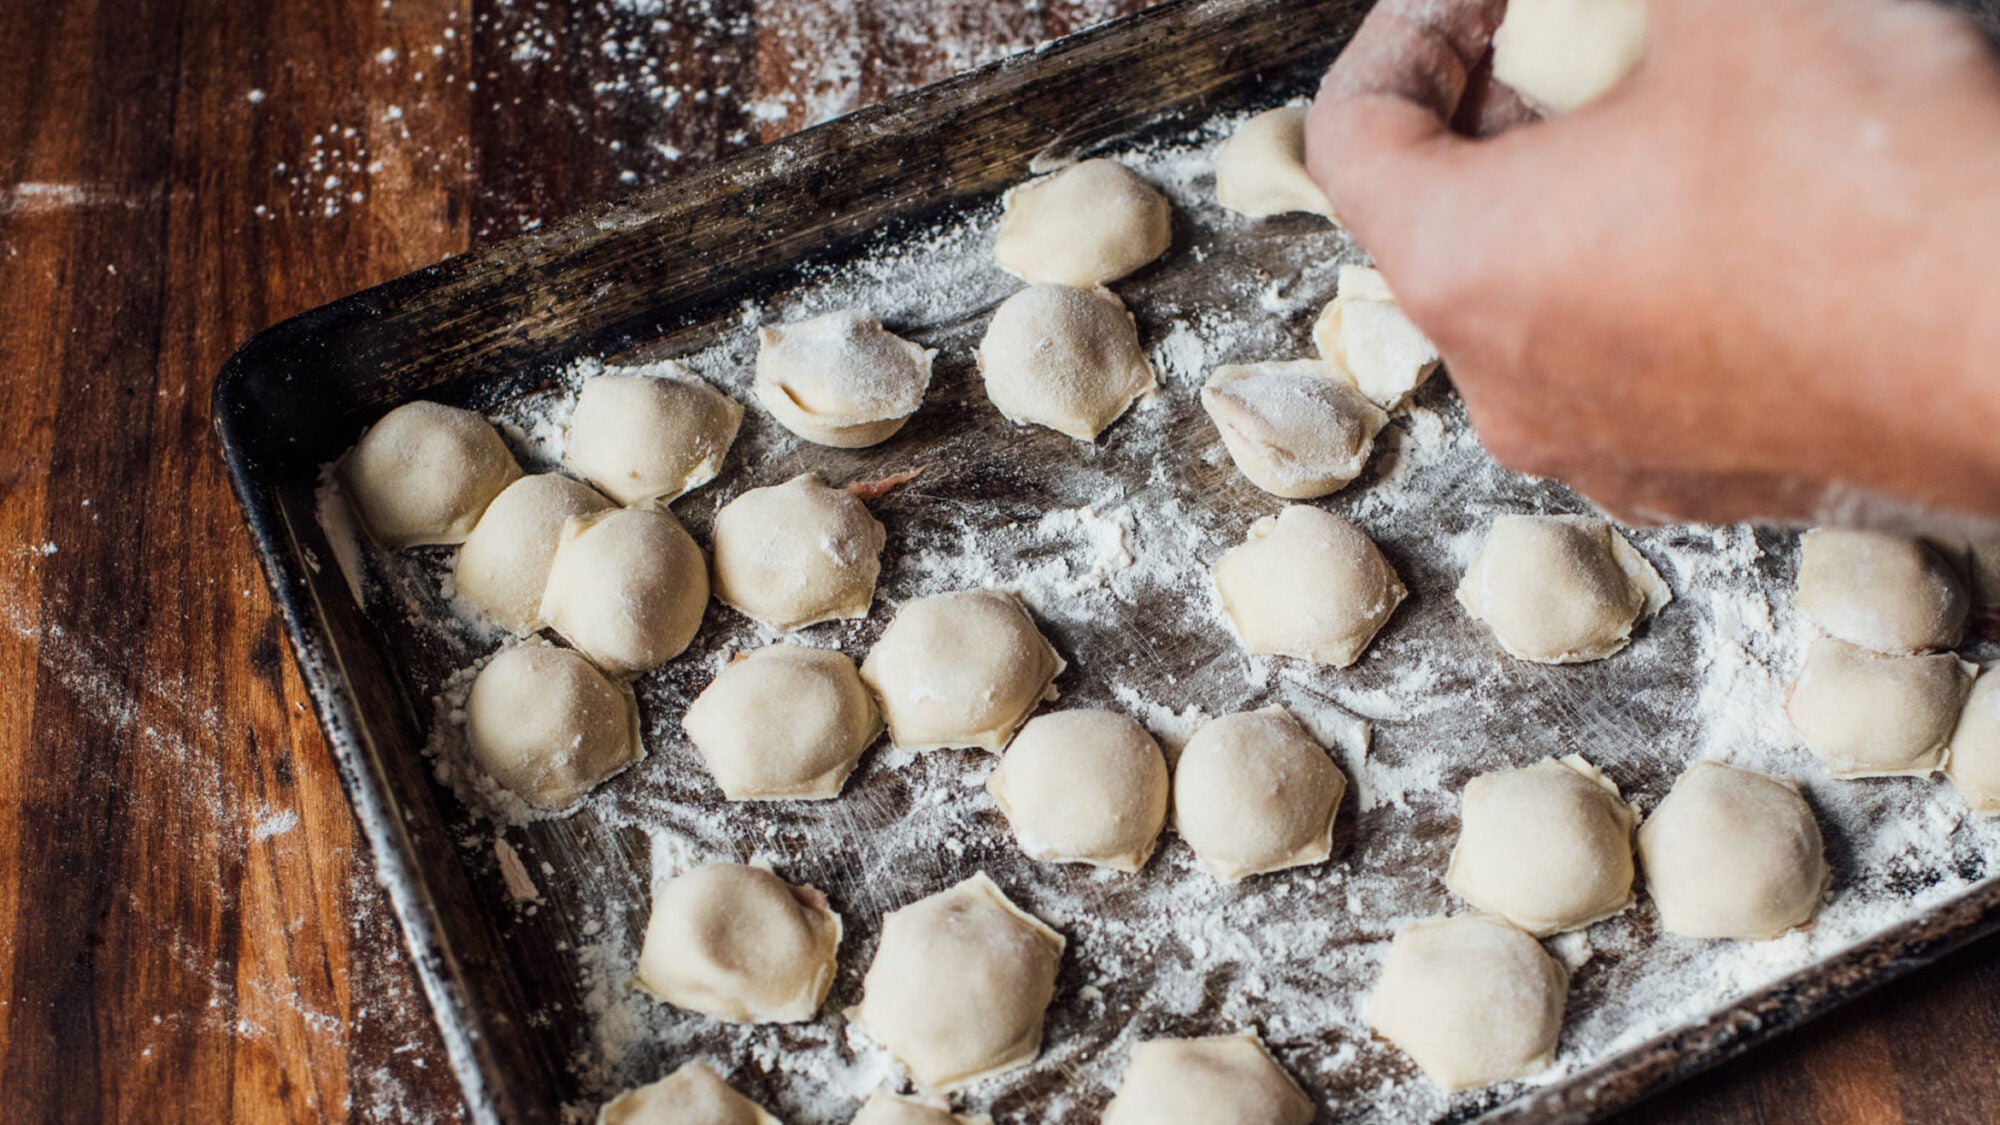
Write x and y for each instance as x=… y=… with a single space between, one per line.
x=1084 y=787
x=960 y=669
x=1884 y=592
x=737 y=943
x=841 y=379
x=1733 y=853
x=1974 y=764
x=627 y=588
x=1253 y=792
x=1364 y=334
x=1472 y=999
x=1560 y=589
x=784 y=723
x=1983 y=564
x=1091 y=223
x=1065 y=358
x=646 y=439
x=1548 y=847
x=885 y=1108
x=1220 y=1080
x=503 y=566
x=797 y=553
x=1867 y=714
x=692 y=1095
x=1261 y=170
x=1307 y=584
x=1296 y=429
x=548 y=726
x=424 y=473
x=1560 y=54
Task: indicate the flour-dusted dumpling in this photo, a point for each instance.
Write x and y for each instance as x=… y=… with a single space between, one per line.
x=1253 y=792
x=644 y=439
x=1065 y=358
x=1308 y=584
x=1733 y=853
x=841 y=379
x=1559 y=54
x=1983 y=566
x=1084 y=787
x=1472 y=999
x=503 y=567
x=784 y=723
x=960 y=669
x=1296 y=429
x=959 y=984
x=797 y=553
x=425 y=472
x=1261 y=169
x=692 y=1095
x=1220 y=1080
x=738 y=943
x=1889 y=593
x=1088 y=224
x=627 y=588
x=1364 y=333
x=1867 y=714
x=548 y=726
x=1548 y=847
x=1560 y=589
x=1974 y=764
x=885 y=1108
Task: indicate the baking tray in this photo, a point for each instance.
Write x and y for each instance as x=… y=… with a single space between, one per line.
x=673 y=271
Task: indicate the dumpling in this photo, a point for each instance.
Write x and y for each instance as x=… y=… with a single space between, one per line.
x=1365 y=334
x=885 y=1108
x=737 y=943
x=548 y=726
x=1548 y=847
x=1065 y=358
x=1254 y=793
x=1870 y=715
x=1733 y=853
x=1974 y=765
x=1883 y=592
x=784 y=723
x=1220 y=1080
x=692 y=1095
x=425 y=472
x=841 y=379
x=627 y=588
x=1472 y=999
x=1296 y=429
x=1090 y=223
x=1261 y=169
x=1560 y=589
x=960 y=669
x=1560 y=54
x=1084 y=787
x=1308 y=584
x=797 y=553
x=959 y=985
x=644 y=439
x=1983 y=564
x=503 y=566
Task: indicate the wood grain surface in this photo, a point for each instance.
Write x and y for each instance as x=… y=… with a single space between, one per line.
x=188 y=929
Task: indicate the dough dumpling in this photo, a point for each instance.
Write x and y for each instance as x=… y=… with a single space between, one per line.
x=1560 y=589
x=425 y=472
x=1983 y=563
x=1883 y=592
x=1221 y=1080
x=737 y=943
x=1261 y=170
x=784 y=723
x=503 y=568
x=1364 y=334
x=1870 y=715
x=959 y=985
x=1254 y=793
x=1974 y=766
x=1089 y=224
x=548 y=726
x=841 y=379
x=797 y=554
x=960 y=669
x=1084 y=786
x=1547 y=847
x=1733 y=853
x=1472 y=999
x=1307 y=584
x=644 y=439
x=885 y=1108
x=1560 y=54
x=692 y=1095
x=1065 y=358
x=1296 y=429
x=627 y=588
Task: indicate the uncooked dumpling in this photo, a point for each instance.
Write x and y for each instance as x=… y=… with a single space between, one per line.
x=1308 y=584
x=503 y=568
x=1560 y=589
x=1871 y=715
x=960 y=669
x=885 y=1108
x=1883 y=592
x=1254 y=793
x=1472 y=999
x=1364 y=333
x=784 y=723
x=692 y=1095
x=548 y=726
x=1220 y=1080
x=1084 y=786
x=738 y=943
x=1296 y=429
x=644 y=439
x=1983 y=563
x=841 y=379
x=1089 y=224
x=627 y=588
x=1547 y=847
x=1560 y=54
x=959 y=985
x=1065 y=358
x=1261 y=169
x=1733 y=853
x=797 y=553
x=1974 y=765
x=425 y=472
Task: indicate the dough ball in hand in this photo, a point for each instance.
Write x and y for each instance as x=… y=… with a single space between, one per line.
x=784 y=723
x=1220 y=1079
x=737 y=943
x=1084 y=787
x=1560 y=589
x=425 y=472
x=503 y=566
x=1364 y=333
x=1307 y=584
x=1889 y=593
x=1261 y=170
x=1548 y=847
x=645 y=439
x=960 y=669
x=1253 y=792
x=797 y=554
x=1733 y=853
x=1870 y=715
x=1065 y=358
x=692 y=1095
x=1560 y=54
x=841 y=379
x=627 y=588
x=548 y=726
x=886 y=1108
x=1296 y=429
x=1091 y=223
x=1472 y=999
x=1974 y=766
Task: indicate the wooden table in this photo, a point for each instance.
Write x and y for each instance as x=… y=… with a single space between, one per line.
x=191 y=932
